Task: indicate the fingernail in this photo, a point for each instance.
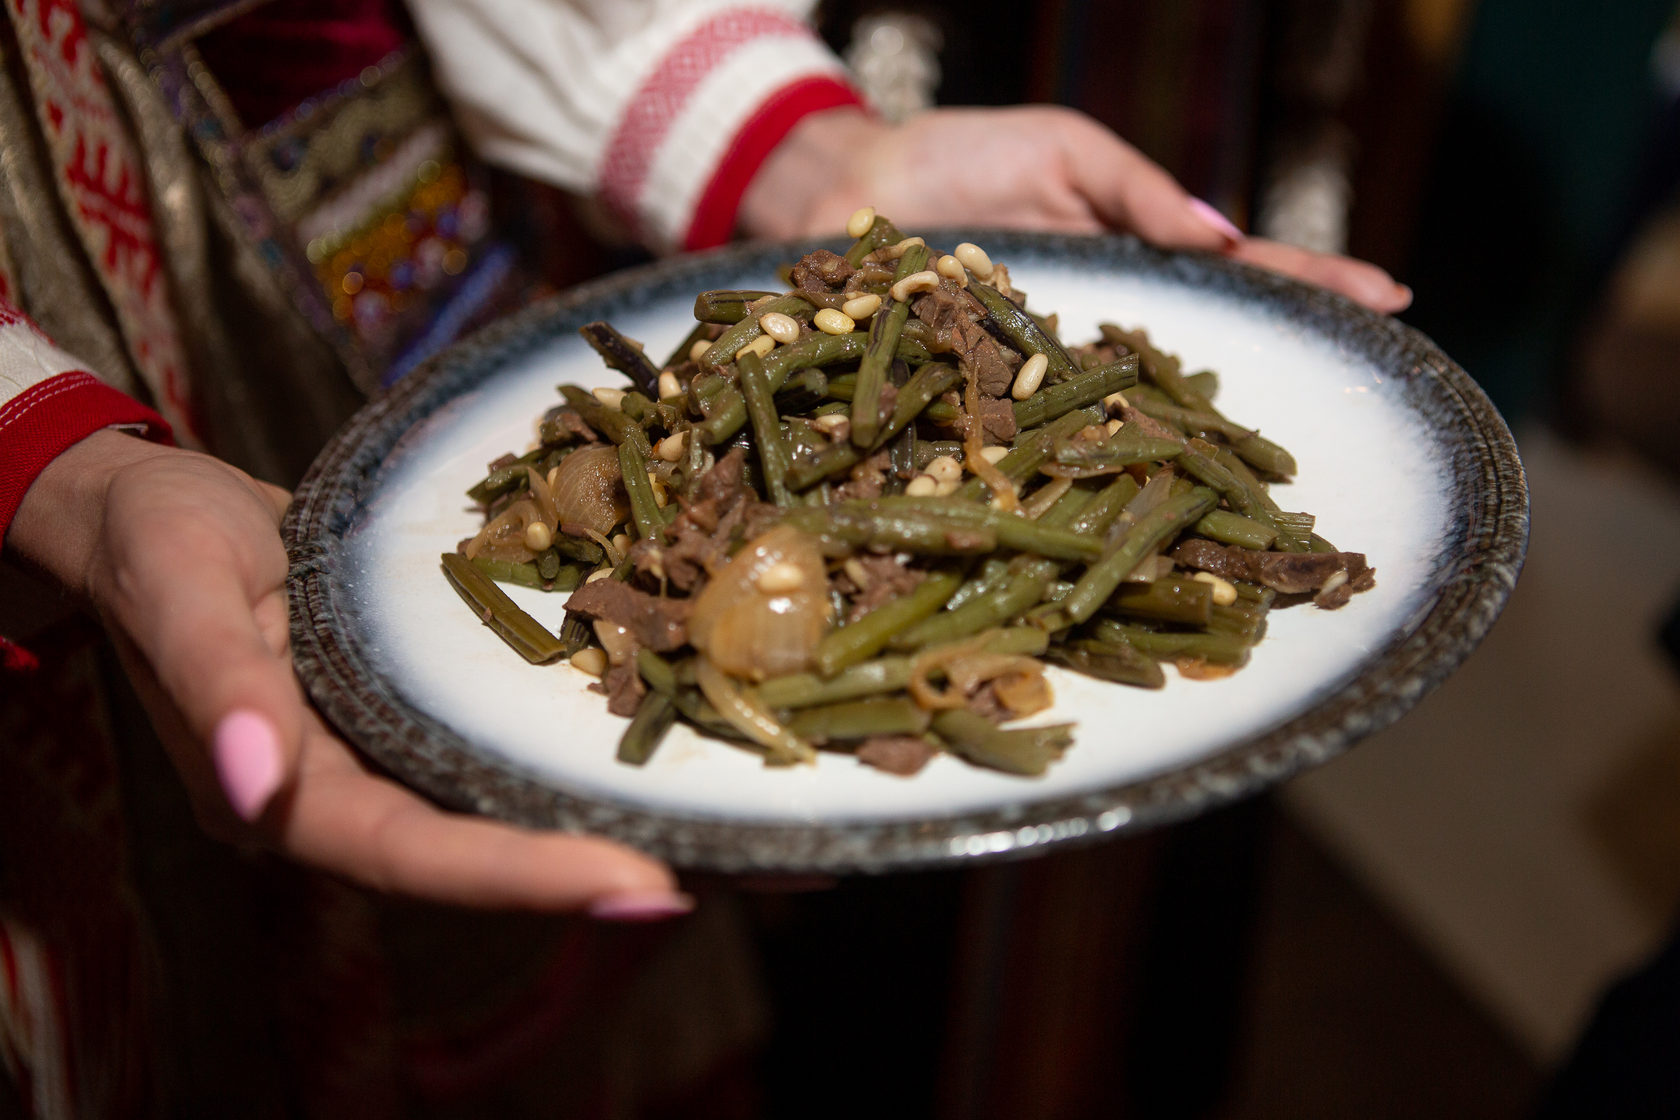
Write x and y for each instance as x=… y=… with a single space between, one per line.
x=247 y=752
x=1209 y=214
x=641 y=906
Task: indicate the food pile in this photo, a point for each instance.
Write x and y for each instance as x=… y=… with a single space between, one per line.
x=863 y=513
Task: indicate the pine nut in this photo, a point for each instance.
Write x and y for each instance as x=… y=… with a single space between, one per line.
x=1335 y=580
x=590 y=660
x=621 y=541
x=698 y=350
x=835 y=425
x=858 y=224
x=538 y=536
x=857 y=573
x=669 y=386
x=859 y=308
x=830 y=321
x=1224 y=594
x=924 y=281
x=781 y=578
x=974 y=259
x=898 y=249
x=599 y=573
x=952 y=269
x=994 y=454
x=1114 y=426
x=762 y=345
x=922 y=486
x=1030 y=377
x=671 y=448
x=782 y=328
x=1114 y=402
x=612 y=398
x=947 y=487
x=658 y=485
x=943 y=468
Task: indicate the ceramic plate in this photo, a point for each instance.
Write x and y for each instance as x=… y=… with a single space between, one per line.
x=1401 y=457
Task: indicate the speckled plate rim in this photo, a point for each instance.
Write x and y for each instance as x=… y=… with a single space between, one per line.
x=1472 y=582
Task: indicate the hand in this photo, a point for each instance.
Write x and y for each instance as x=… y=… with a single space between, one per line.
x=181 y=556
x=1030 y=167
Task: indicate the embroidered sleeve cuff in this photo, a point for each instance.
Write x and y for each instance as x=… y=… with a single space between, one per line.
x=703 y=121
x=50 y=415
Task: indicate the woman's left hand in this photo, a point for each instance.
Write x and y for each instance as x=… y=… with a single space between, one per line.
x=1027 y=167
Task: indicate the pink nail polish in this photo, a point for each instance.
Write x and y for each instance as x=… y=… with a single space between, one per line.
x=641 y=906
x=1211 y=215
x=247 y=753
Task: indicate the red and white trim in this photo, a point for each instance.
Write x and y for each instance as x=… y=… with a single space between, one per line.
x=48 y=402
x=688 y=116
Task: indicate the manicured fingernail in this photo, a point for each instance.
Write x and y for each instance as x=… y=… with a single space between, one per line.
x=1211 y=215
x=641 y=906
x=247 y=753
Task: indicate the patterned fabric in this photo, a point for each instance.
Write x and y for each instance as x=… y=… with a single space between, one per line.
x=104 y=187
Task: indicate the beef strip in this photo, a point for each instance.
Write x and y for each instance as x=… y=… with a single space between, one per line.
x=997 y=420
x=866 y=480
x=656 y=622
x=884 y=579
x=698 y=540
x=821 y=272
x=958 y=318
x=903 y=755
x=1293 y=573
x=624 y=688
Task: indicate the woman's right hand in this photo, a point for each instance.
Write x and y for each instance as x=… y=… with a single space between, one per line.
x=180 y=555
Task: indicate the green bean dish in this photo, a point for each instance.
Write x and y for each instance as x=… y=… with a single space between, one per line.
x=865 y=512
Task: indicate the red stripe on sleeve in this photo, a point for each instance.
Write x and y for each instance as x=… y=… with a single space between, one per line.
x=714 y=214
x=49 y=416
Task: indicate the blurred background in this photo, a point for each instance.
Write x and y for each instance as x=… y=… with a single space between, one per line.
x=1425 y=926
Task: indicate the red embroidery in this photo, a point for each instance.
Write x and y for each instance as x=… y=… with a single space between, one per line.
x=98 y=174
x=650 y=112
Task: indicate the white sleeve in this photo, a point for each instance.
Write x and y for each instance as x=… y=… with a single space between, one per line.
x=661 y=108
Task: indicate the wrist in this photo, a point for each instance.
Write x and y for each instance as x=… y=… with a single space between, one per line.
x=58 y=525
x=810 y=181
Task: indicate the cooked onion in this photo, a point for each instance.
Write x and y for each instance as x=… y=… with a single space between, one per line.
x=749 y=632
x=587 y=490
x=749 y=716
x=503 y=537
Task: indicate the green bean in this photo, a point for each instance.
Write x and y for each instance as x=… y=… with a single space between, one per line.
x=924 y=386
x=1198 y=458
x=1030 y=452
x=1011 y=530
x=884 y=330
x=881 y=232
x=644 y=507
x=505 y=478
x=857 y=525
x=773 y=453
x=1233 y=528
x=654 y=716
x=864 y=638
x=1240 y=620
x=725 y=306
x=622 y=354
x=859 y=719
x=1024 y=332
x=1023 y=750
x=610 y=422
x=1113 y=660
x=565 y=577
x=843 y=387
x=992 y=575
x=804 y=690
x=1174 y=599
x=660 y=674
x=1028 y=577
x=1122 y=449
x=729 y=343
x=530 y=638
x=1249 y=445
x=1078 y=391
x=1220 y=649
x=1156 y=527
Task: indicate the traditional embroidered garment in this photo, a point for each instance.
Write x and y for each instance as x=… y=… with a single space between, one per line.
x=233 y=221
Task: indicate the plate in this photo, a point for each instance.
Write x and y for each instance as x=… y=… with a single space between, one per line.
x=1401 y=457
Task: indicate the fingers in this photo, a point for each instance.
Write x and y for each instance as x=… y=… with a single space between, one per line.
x=1130 y=191
x=343 y=819
x=1359 y=281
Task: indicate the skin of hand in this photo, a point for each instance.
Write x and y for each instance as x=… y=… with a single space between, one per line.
x=1026 y=167
x=180 y=556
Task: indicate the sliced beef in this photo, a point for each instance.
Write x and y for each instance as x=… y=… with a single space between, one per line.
x=821 y=272
x=896 y=754
x=699 y=539
x=958 y=318
x=997 y=420
x=624 y=688
x=883 y=580
x=866 y=480
x=1293 y=573
x=655 y=621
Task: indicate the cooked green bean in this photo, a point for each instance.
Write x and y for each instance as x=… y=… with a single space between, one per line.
x=1078 y=391
x=623 y=355
x=864 y=638
x=654 y=716
x=1233 y=528
x=1024 y=331
x=725 y=306
x=1024 y=750
x=859 y=719
x=1156 y=527
x=884 y=330
x=729 y=343
x=530 y=638
x=773 y=453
